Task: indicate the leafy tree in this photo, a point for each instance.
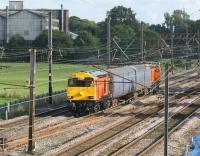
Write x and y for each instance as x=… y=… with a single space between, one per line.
x=86 y=39
x=60 y=39
x=152 y=38
x=122 y=15
x=76 y=25
x=179 y=19
x=159 y=28
x=16 y=41
x=103 y=32
x=123 y=33
x=194 y=26
x=124 y=26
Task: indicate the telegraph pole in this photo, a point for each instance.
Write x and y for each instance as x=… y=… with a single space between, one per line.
x=187 y=47
x=32 y=99
x=142 y=41
x=166 y=109
x=172 y=47
x=50 y=57
x=98 y=54
x=198 y=63
x=108 y=38
x=198 y=38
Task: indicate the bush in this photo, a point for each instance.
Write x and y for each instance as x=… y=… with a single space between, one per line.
x=86 y=39
x=60 y=39
x=16 y=41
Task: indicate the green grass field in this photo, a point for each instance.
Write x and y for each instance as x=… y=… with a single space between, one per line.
x=18 y=73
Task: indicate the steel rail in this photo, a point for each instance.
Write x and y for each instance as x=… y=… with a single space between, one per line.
x=159 y=128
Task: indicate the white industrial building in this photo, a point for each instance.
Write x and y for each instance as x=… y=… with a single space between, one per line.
x=29 y=23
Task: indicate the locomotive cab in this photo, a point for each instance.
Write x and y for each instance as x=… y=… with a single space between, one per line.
x=81 y=89
x=87 y=90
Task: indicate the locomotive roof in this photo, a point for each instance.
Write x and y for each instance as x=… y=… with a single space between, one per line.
x=129 y=68
x=97 y=73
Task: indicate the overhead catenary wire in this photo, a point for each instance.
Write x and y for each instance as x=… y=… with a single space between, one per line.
x=100 y=47
x=16 y=85
x=87 y=52
x=61 y=80
x=78 y=60
x=20 y=55
x=102 y=55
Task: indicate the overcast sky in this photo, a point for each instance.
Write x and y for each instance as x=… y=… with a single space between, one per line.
x=150 y=11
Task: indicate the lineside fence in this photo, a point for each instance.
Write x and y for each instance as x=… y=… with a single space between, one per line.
x=21 y=107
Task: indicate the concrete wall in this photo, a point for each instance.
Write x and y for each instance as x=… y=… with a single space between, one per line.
x=26 y=24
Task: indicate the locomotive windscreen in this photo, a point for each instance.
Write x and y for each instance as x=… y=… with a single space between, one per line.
x=75 y=82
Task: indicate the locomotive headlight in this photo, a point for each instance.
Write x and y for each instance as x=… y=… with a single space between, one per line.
x=81 y=93
x=70 y=97
x=90 y=97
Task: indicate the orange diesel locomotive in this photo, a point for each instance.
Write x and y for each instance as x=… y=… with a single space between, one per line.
x=88 y=90
x=94 y=90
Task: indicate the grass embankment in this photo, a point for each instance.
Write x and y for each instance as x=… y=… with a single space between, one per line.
x=18 y=73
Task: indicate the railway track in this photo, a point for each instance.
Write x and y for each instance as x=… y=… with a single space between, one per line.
x=183 y=74
x=52 y=130
x=60 y=111
x=47 y=132
x=177 y=80
x=105 y=138
x=92 y=143
x=149 y=140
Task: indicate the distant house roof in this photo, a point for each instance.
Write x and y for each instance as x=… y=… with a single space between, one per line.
x=13 y=12
x=37 y=13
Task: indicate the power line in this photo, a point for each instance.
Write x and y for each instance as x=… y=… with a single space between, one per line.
x=16 y=85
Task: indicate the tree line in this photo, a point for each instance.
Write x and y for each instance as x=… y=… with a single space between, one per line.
x=125 y=30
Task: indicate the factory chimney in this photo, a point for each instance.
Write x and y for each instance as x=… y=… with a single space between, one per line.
x=16 y=5
x=66 y=21
x=63 y=22
x=62 y=19
x=7 y=24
